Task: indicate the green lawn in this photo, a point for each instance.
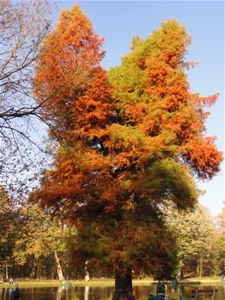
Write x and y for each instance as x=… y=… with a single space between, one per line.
x=107 y=282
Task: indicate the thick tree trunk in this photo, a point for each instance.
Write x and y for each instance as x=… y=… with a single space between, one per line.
x=123 y=285
x=58 y=266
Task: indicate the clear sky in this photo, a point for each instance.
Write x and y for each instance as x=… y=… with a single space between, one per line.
x=119 y=21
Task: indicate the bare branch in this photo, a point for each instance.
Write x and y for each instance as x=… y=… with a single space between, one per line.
x=23 y=26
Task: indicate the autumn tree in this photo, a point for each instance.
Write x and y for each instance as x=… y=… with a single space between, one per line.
x=38 y=238
x=32 y=244
x=126 y=147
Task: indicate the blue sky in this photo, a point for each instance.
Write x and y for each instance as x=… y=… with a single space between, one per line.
x=119 y=21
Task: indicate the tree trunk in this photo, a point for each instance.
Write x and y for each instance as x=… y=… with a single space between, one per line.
x=33 y=270
x=7 y=271
x=58 y=266
x=200 y=267
x=38 y=269
x=87 y=277
x=123 y=285
x=181 y=274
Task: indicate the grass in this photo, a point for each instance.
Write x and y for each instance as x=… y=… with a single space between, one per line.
x=103 y=282
x=204 y=280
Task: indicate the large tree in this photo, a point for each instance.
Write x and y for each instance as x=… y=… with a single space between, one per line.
x=125 y=150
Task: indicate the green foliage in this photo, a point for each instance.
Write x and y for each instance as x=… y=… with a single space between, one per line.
x=148 y=246
x=8 y=226
x=166 y=179
x=39 y=235
x=221 y=254
x=221 y=241
x=196 y=241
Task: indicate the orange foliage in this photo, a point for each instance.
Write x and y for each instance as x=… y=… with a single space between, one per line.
x=107 y=147
x=69 y=78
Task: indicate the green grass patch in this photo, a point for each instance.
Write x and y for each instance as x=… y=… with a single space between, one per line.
x=104 y=282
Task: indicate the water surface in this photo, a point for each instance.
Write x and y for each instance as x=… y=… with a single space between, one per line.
x=105 y=293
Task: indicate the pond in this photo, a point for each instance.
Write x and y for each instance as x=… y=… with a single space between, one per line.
x=105 y=293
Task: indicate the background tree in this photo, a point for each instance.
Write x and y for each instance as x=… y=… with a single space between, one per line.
x=122 y=158
x=8 y=215
x=38 y=240
x=23 y=26
x=222 y=219
x=32 y=245
x=221 y=254
x=196 y=242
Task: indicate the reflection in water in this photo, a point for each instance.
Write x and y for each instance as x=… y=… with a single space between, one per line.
x=178 y=291
x=62 y=292
x=106 y=293
x=59 y=293
x=3 y=293
x=13 y=293
x=86 y=292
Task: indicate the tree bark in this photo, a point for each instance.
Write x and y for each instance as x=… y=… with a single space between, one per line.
x=58 y=266
x=123 y=285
